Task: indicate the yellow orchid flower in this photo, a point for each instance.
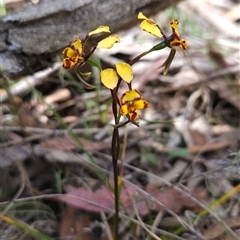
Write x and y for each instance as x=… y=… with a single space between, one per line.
x=172 y=41
x=131 y=101
x=175 y=39
x=73 y=54
x=109 y=76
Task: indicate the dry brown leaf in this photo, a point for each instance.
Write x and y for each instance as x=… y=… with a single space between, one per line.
x=68 y=144
x=74 y=222
x=227 y=92
x=216 y=229
x=102 y=200
x=59 y=143
x=209 y=147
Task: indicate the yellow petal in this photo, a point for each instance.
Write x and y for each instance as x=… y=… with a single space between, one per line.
x=77 y=45
x=100 y=29
x=174 y=24
x=68 y=63
x=124 y=110
x=125 y=71
x=151 y=27
x=109 y=78
x=79 y=59
x=130 y=96
x=182 y=43
x=133 y=116
x=140 y=104
x=108 y=42
x=142 y=16
x=69 y=52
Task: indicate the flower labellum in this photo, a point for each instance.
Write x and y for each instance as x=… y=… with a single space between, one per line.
x=131 y=101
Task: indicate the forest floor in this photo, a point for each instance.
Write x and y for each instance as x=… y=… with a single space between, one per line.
x=181 y=166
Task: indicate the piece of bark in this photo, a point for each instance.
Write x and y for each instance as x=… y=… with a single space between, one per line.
x=30 y=37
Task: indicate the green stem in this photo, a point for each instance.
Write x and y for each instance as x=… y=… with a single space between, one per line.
x=157 y=47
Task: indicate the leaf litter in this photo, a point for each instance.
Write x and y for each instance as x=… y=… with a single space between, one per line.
x=191 y=131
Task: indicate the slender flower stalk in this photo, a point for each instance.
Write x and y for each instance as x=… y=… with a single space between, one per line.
x=115 y=155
